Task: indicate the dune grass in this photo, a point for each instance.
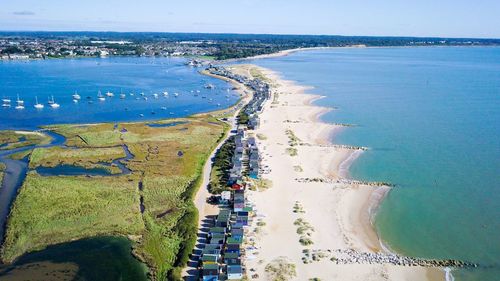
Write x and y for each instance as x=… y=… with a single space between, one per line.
x=166 y=171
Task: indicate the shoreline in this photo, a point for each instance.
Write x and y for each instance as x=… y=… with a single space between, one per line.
x=352 y=205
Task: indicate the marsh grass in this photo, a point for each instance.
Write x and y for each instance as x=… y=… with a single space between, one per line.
x=166 y=171
x=85 y=157
x=15 y=139
x=50 y=210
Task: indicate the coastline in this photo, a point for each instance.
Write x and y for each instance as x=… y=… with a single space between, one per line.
x=352 y=204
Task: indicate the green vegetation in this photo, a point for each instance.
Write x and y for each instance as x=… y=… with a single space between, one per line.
x=219 y=175
x=243 y=117
x=292 y=151
x=166 y=170
x=51 y=210
x=305 y=241
x=85 y=157
x=280 y=269
x=293 y=140
x=2 y=169
x=16 y=139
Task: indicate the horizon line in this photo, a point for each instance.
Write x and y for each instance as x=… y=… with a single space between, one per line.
x=233 y=33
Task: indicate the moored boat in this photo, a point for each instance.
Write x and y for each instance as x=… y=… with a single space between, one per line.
x=37 y=104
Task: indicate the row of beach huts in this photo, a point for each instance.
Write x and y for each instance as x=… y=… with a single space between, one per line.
x=223 y=254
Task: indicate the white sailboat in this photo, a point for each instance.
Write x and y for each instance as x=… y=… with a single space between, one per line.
x=76 y=96
x=109 y=94
x=155 y=96
x=37 y=104
x=100 y=97
x=6 y=102
x=19 y=101
x=54 y=104
x=165 y=94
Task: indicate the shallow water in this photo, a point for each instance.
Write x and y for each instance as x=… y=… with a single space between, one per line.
x=431 y=118
x=100 y=258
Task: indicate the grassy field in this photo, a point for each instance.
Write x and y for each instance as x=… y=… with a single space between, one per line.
x=166 y=170
x=15 y=139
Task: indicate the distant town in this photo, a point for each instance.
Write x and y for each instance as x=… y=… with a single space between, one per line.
x=46 y=45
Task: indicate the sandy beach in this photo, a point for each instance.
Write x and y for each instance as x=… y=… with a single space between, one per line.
x=328 y=217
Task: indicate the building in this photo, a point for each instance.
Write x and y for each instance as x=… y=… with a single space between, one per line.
x=234 y=272
x=210 y=272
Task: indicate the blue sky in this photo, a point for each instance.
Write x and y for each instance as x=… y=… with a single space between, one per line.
x=447 y=18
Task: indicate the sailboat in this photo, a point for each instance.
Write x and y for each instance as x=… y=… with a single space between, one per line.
x=100 y=97
x=109 y=94
x=76 y=96
x=6 y=102
x=37 y=104
x=53 y=104
x=165 y=94
x=20 y=103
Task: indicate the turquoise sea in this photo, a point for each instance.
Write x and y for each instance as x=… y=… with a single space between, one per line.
x=431 y=118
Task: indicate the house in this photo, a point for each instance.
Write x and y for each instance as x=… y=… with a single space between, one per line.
x=210 y=272
x=234 y=272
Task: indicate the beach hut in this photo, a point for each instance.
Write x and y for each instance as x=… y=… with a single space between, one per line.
x=225 y=196
x=232 y=259
x=217 y=238
x=233 y=248
x=235 y=240
x=237 y=232
x=234 y=272
x=209 y=259
x=210 y=272
x=215 y=229
x=207 y=251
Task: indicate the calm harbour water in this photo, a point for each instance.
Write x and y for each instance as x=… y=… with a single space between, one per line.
x=61 y=78
x=431 y=118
